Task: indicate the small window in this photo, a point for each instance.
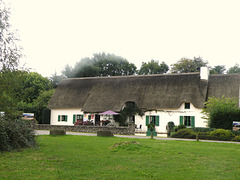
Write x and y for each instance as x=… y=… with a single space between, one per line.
x=62 y=118
x=187 y=105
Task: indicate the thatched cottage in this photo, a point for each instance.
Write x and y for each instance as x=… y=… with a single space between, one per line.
x=170 y=97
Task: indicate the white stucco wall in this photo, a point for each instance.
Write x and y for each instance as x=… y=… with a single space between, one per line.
x=68 y=112
x=166 y=115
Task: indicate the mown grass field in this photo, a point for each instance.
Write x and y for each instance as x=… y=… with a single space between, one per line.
x=81 y=157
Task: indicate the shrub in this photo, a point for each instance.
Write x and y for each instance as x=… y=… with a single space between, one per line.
x=105 y=133
x=57 y=132
x=237 y=138
x=184 y=133
x=202 y=129
x=179 y=127
x=236 y=133
x=221 y=134
x=16 y=134
x=170 y=128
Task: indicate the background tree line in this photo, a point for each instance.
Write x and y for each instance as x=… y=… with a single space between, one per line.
x=102 y=64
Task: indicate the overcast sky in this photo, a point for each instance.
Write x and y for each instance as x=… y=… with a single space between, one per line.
x=55 y=33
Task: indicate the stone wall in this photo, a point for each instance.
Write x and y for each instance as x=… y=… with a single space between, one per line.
x=130 y=130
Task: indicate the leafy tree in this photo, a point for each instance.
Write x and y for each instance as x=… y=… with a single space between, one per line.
x=14 y=133
x=234 y=69
x=31 y=84
x=221 y=112
x=186 y=65
x=129 y=111
x=153 y=67
x=10 y=52
x=67 y=71
x=101 y=64
x=218 y=70
x=38 y=105
x=55 y=79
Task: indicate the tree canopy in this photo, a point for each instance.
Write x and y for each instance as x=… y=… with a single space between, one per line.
x=221 y=112
x=218 y=70
x=153 y=67
x=186 y=65
x=234 y=69
x=101 y=64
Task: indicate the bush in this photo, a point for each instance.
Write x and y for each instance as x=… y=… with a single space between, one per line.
x=202 y=129
x=221 y=134
x=184 y=133
x=57 y=132
x=179 y=127
x=105 y=133
x=236 y=133
x=237 y=138
x=16 y=134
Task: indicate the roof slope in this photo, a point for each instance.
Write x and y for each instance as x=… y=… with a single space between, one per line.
x=227 y=85
x=148 y=92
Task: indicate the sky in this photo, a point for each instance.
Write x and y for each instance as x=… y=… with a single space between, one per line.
x=55 y=33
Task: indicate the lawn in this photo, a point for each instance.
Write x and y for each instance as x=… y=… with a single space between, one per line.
x=82 y=157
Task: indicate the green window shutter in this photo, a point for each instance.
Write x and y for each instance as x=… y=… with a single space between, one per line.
x=193 y=121
x=74 y=118
x=147 y=120
x=181 y=120
x=81 y=116
x=66 y=118
x=58 y=118
x=157 y=121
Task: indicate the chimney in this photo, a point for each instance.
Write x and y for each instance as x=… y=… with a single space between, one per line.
x=204 y=73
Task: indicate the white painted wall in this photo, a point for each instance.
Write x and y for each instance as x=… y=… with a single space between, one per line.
x=68 y=112
x=166 y=115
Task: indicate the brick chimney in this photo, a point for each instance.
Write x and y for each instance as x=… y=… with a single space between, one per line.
x=204 y=73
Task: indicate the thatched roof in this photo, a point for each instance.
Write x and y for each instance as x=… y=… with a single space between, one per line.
x=148 y=92
x=227 y=85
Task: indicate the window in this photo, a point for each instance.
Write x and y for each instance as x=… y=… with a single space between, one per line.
x=187 y=105
x=187 y=121
x=153 y=119
x=62 y=118
x=77 y=117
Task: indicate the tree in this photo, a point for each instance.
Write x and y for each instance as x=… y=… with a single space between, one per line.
x=55 y=79
x=10 y=52
x=129 y=111
x=234 y=69
x=101 y=64
x=30 y=85
x=221 y=112
x=186 y=65
x=218 y=70
x=153 y=67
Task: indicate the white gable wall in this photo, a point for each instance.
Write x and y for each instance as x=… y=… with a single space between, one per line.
x=67 y=112
x=166 y=115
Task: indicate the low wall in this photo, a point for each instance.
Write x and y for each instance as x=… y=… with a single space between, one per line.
x=130 y=130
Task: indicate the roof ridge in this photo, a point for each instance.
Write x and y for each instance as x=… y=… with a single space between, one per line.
x=135 y=76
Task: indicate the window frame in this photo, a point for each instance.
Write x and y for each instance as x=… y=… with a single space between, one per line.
x=187 y=106
x=62 y=118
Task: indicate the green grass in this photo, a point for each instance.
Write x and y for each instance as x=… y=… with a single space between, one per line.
x=81 y=157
